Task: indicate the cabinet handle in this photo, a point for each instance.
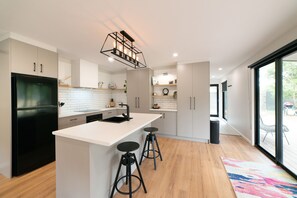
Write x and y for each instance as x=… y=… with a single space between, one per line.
x=194 y=103
x=138 y=103
x=163 y=115
x=73 y=119
x=135 y=102
x=34 y=67
x=190 y=102
x=41 y=68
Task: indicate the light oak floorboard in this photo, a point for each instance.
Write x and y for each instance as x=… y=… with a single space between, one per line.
x=188 y=170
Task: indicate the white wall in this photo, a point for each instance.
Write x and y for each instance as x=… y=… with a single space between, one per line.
x=240 y=95
x=64 y=74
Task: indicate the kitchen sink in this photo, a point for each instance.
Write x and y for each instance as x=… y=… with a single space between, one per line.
x=115 y=119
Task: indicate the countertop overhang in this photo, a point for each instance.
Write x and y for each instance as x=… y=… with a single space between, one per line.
x=106 y=133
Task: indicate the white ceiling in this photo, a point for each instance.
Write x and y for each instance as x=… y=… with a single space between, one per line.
x=224 y=32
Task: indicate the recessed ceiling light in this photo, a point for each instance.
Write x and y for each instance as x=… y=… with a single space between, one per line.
x=110 y=59
x=175 y=54
x=220 y=69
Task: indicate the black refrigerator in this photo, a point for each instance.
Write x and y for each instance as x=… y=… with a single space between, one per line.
x=34 y=118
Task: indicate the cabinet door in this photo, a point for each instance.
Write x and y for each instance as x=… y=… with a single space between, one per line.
x=23 y=58
x=132 y=90
x=47 y=63
x=159 y=123
x=169 y=123
x=184 y=101
x=67 y=122
x=201 y=110
x=144 y=90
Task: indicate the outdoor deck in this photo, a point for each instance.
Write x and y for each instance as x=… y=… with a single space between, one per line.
x=290 y=150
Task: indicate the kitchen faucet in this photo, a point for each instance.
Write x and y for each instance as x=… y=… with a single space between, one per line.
x=128 y=111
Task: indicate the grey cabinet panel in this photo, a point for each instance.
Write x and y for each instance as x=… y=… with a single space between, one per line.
x=47 y=63
x=23 y=58
x=167 y=123
x=32 y=60
x=71 y=121
x=138 y=90
x=193 y=100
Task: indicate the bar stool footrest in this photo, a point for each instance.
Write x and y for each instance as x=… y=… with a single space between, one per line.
x=151 y=157
x=133 y=191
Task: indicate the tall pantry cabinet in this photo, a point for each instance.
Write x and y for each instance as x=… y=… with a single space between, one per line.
x=193 y=101
x=139 y=90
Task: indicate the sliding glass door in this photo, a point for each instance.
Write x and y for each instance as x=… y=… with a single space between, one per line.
x=276 y=107
x=289 y=64
x=266 y=101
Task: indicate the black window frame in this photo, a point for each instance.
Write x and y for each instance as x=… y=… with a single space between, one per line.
x=218 y=100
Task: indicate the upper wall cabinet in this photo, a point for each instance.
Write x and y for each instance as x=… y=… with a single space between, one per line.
x=84 y=74
x=32 y=60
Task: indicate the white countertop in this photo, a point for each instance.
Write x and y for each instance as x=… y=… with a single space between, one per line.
x=75 y=113
x=174 y=110
x=107 y=133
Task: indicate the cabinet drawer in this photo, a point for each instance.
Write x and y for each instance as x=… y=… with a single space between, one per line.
x=109 y=113
x=71 y=121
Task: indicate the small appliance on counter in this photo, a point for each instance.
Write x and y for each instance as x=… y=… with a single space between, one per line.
x=156 y=106
x=111 y=103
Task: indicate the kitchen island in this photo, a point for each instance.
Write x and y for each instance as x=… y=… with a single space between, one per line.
x=87 y=157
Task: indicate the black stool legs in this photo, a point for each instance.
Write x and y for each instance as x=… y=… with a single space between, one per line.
x=151 y=139
x=127 y=160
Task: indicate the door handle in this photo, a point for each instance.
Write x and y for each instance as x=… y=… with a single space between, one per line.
x=41 y=68
x=194 y=103
x=190 y=102
x=34 y=67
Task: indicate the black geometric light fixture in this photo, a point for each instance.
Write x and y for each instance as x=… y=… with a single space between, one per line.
x=120 y=47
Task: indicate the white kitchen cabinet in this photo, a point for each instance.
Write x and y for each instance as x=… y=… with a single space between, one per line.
x=66 y=122
x=167 y=123
x=109 y=113
x=32 y=60
x=139 y=90
x=193 y=100
x=121 y=111
x=84 y=74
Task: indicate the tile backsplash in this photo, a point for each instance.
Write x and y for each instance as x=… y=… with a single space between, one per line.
x=81 y=98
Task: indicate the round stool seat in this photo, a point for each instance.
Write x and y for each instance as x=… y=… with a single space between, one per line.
x=150 y=129
x=128 y=146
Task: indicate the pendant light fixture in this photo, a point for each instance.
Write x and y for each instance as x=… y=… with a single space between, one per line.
x=120 y=47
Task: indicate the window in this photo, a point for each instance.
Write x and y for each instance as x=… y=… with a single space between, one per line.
x=214 y=100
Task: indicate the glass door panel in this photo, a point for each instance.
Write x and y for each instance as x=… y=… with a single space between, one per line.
x=290 y=113
x=214 y=100
x=267 y=108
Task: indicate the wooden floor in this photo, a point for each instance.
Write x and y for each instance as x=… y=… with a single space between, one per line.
x=189 y=169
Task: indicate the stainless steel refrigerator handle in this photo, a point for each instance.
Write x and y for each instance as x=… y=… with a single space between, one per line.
x=190 y=102
x=34 y=67
x=135 y=102
x=194 y=103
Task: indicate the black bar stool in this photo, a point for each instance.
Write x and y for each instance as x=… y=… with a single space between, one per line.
x=128 y=159
x=151 y=138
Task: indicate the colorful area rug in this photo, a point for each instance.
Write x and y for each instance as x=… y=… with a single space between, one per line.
x=251 y=180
